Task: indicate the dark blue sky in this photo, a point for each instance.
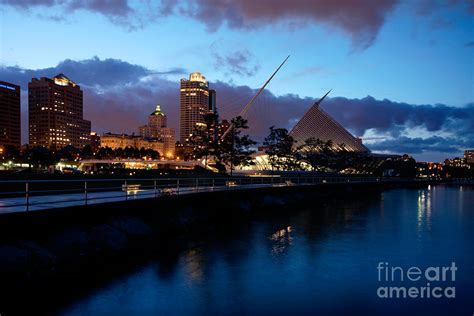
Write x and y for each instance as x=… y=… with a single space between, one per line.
x=401 y=70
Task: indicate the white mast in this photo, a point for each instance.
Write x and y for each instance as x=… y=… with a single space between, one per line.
x=249 y=104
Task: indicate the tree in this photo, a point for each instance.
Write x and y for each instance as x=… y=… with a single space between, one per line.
x=128 y=152
x=68 y=153
x=234 y=149
x=9 y=153
x=280 y=149
x=105 y=153
x=87 y=152
x=118 y=152
x=153 y=154
x=182 y=152
x=324 y=155
x=203 y=139
x=401 y=167
x=311 y=153
x=142 y=152
x=39 y=157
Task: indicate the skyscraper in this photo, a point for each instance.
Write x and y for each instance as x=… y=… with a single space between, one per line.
x=167 y=136
x=95 y=141
x=156 y=130
x=316 y=123
x=156 y=121
x=55 y=108
x=193 y=104
x=213 y=110
x=9 y=115
x=157 y=118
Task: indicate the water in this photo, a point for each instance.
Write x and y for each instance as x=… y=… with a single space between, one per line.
x=320 y=259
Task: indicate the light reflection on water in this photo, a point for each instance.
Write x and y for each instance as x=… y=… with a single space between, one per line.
x=282 y=240
x=316 y=260
x=192 y=261
x=424 y=208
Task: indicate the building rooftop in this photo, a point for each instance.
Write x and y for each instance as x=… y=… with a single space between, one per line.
x=158 y=111
x=318 y=124
x=197 y=76
x=62 y=80
x=9 y=86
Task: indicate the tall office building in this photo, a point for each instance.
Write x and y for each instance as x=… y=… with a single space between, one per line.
x=9 y=115
x=316 y=123
x=213 y=110
x=55 y=108
x=157 y=118
x=193 y=104
x=156 y=121
x=95 y=141
x=156 y=130
x=167 y=136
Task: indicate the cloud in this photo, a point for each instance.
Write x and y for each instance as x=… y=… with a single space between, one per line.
x=118 y=97
x=361 y=21
x=469 y=44
x=237 y=63
x=109 y=8
x=420 y=145
x=117 y=11
x=396 y=120
x=305 y=72
x=386 y=116
x=429 y=7
x=25 y=4
x=90 y=72
x=123 y=108
x=118 y=8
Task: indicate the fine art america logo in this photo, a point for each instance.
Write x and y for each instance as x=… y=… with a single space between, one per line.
x=416 y=282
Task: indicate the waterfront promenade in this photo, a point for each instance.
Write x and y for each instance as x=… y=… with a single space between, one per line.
x=34 y=195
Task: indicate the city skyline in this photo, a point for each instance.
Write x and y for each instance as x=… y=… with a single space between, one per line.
x=400 y=67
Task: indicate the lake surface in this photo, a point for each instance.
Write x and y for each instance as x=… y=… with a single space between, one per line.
x=321 y=259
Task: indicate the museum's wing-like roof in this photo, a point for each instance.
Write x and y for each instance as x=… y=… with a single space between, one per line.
x=316 y=123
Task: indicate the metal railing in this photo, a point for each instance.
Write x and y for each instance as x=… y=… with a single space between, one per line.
x=22 y=195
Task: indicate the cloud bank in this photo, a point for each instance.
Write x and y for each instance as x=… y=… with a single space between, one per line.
x=360 y=20
x=118 y=97
x=117 y=11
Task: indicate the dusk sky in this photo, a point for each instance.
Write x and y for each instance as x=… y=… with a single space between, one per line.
x=401 y=71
